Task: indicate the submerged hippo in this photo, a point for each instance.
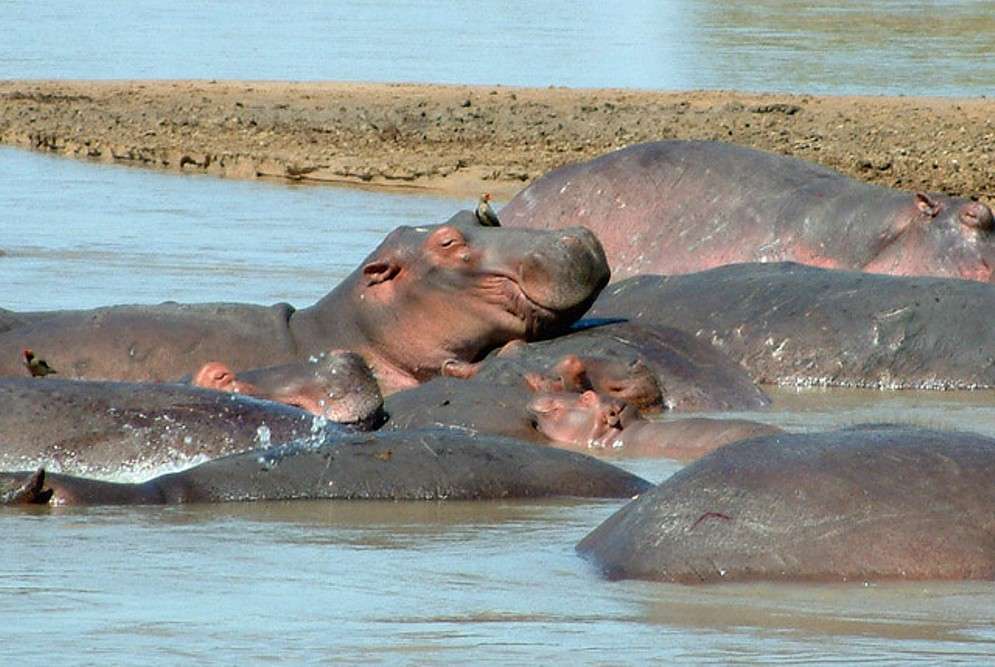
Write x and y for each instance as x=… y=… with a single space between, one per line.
x=425 y=296
x=469 y=406
x=88 y=427
x=599 y=425
x=336 y=385
x=859 y=504
x=631 y=381
x=681 y=206
x=792 y=324
x=692 y=374
x=405 y=465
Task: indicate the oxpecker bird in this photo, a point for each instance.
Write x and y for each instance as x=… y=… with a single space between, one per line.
x=38 y=368
x=485 y=214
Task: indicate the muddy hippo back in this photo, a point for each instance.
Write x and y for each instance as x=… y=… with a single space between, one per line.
x=859 y=504
x=681 y=206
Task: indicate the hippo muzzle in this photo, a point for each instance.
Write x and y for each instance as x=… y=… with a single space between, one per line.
x=558 y=273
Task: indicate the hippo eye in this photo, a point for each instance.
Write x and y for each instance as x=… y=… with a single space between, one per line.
x=448 y=242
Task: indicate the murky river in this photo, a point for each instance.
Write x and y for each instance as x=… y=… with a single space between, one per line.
x=425 y=583
x=937 y=47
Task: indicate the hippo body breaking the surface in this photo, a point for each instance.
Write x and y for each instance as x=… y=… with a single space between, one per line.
x=404 y=465
x=111 y=427
x=692 y=374
x=467 y=405
x=425 y=296
x=681 y=206
x=336 y=385
x=788 y=323
x=598 y=425
x=859 y=504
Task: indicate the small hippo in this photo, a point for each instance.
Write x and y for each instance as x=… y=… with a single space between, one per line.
x=336 y=385
x=601 y=425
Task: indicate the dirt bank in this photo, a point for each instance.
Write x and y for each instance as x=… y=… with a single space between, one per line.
x=466 y=139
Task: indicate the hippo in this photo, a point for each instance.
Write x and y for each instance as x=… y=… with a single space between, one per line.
x=336 y=385
x=787 y=323
x=428 y=464
x=632 y=381
x=425 y=296
x=600 y=425
x=683 y=206
x=692 y=374
x=469 y=406
x=113 y=427
x=869 y=503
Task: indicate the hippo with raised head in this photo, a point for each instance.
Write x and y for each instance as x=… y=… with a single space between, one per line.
x=793 y=324
x=425 y=296
x=435 y=464
x=336 y=385
x=92 y=426
x=681 y=206
x=859 y=504
x=600 y=425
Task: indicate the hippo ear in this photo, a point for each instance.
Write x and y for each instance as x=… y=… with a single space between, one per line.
x=927 y=204
x=977 y=215
x=379 y=271
x=588 y=398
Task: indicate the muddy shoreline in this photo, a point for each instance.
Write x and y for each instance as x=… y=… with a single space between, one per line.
x=462 y=140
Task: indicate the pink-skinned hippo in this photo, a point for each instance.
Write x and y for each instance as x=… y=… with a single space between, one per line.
x=632 y=381
x=879 y=502
x=793 y=324
x=681 y=206
x=425 y=296
x=430 y=464
x=692 y=374
x=602 y=426
x=336 y=385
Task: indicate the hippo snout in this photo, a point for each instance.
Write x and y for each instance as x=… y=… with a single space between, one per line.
x=569 y=270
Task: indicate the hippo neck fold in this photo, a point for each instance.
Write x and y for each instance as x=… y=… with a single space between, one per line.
x=332 y=323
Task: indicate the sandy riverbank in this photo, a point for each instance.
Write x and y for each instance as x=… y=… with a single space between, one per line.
x=463 y=140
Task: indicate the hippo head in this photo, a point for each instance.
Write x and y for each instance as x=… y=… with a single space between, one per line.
x=454 y=291
x=941 y=236
x=629 y=380
x=336 y=385
x=584 y=420
x=339 y=387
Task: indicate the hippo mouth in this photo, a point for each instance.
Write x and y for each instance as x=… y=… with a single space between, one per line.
x=506 y=293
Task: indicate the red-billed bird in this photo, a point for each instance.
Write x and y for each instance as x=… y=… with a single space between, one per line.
x=38 y=368
x=485 y=214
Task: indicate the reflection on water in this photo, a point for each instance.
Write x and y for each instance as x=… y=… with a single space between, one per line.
x=911 y=48
x=430 y=583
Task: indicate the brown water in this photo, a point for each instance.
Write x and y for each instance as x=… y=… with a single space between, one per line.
x=425 y=583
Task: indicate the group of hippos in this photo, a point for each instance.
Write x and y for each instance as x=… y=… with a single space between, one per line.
x=479 y=359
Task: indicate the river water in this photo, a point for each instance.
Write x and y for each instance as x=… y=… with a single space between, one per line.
x=911 y=47
x=426 y=583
